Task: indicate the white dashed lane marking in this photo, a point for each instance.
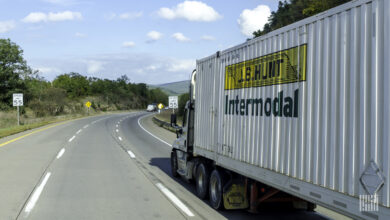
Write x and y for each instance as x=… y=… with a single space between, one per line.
x=37 y=192
x=71 y=139
x=62 y=151
x=131 y=154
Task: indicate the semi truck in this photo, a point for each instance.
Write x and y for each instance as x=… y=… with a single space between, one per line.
x=299 y=115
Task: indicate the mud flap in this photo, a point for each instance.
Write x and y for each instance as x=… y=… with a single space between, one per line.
x=234 y=197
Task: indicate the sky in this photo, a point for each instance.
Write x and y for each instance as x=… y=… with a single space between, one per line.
x=150 y=41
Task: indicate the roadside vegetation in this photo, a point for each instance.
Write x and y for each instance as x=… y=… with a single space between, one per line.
x=294 y=10
x=64 y=97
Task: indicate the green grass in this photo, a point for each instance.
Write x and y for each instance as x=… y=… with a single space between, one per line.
x=10 y=129
x=4 y=132
x=165 y=115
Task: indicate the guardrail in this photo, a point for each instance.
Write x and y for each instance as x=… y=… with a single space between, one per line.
x=164 y=124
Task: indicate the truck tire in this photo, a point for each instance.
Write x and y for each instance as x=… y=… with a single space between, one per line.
x=311 y=206
x=202 y=181
x=215 y=189
x=174 y=164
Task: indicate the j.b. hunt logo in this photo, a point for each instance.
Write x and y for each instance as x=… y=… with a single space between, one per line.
x=281 y=67
x=280 y=106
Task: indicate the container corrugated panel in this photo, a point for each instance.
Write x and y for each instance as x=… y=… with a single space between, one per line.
x=206 y=105
x=335 y=113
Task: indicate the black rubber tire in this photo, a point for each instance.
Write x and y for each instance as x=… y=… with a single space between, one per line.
x=174 y=164
x=215 y=189
x=202 y=181
x=311 y=206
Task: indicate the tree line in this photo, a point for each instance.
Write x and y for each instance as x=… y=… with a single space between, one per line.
x=294 y=10
x=67 y=91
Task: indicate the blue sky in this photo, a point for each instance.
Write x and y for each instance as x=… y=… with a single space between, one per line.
x=149 y=41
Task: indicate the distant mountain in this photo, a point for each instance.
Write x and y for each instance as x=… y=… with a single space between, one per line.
x=174 y=88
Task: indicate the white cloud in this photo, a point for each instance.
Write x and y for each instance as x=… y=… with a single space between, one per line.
x=131 y=15
x=139 y=67
x=94 y=66
x=180 y=37
x=128 y=44
x=61 y=2
x=190 y=10
x=124 y=16
x=253 y=20
x=6 y=26
x=36 y=17
x=208 y=38
x=46 y=70
x=153 y=36
x=152 y=67
x=110 y=16
x=181 y=65
x=81 y=35
x=64 y=16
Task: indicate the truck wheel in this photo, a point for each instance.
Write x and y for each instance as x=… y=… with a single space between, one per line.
x=215 y=189
x=174 y=164
x=311 y=206
x=202 y=181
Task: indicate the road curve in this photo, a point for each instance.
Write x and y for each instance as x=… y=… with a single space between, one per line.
x=106 y=167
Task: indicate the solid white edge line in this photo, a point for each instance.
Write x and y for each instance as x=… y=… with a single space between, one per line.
x=71 y=139
x=174 y=199
x=131 y=154
x=151 y=133
x=62 y=151
x=120 y=138
x=78 y=132
x=35 y=196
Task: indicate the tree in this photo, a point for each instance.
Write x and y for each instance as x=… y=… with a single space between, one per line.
x=294 y=10
x=73 y=83
x=35 y=88
x=158 y=96
x=13 y=68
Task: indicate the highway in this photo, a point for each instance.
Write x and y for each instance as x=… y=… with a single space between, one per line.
x=104 y=167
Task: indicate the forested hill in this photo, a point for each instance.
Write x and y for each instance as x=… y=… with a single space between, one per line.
x=294 y=10
x=174 y=88
x=67 y=92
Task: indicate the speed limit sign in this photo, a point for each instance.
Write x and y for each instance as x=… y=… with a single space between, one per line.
x=17 y=99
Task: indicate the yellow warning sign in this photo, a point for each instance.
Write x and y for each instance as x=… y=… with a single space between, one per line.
x=88 y=104
x=285 y=66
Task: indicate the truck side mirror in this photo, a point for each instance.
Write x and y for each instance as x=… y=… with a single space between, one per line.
x=173 y=120
x=179 y=132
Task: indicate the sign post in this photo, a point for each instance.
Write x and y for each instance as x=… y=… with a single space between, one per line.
x=88 y=104
x=173 y=103
x=17 y=101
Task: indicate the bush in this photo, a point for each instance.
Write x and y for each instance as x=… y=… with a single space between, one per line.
x=52 y=103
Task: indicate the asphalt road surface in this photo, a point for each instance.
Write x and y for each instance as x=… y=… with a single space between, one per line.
x=105 y=167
